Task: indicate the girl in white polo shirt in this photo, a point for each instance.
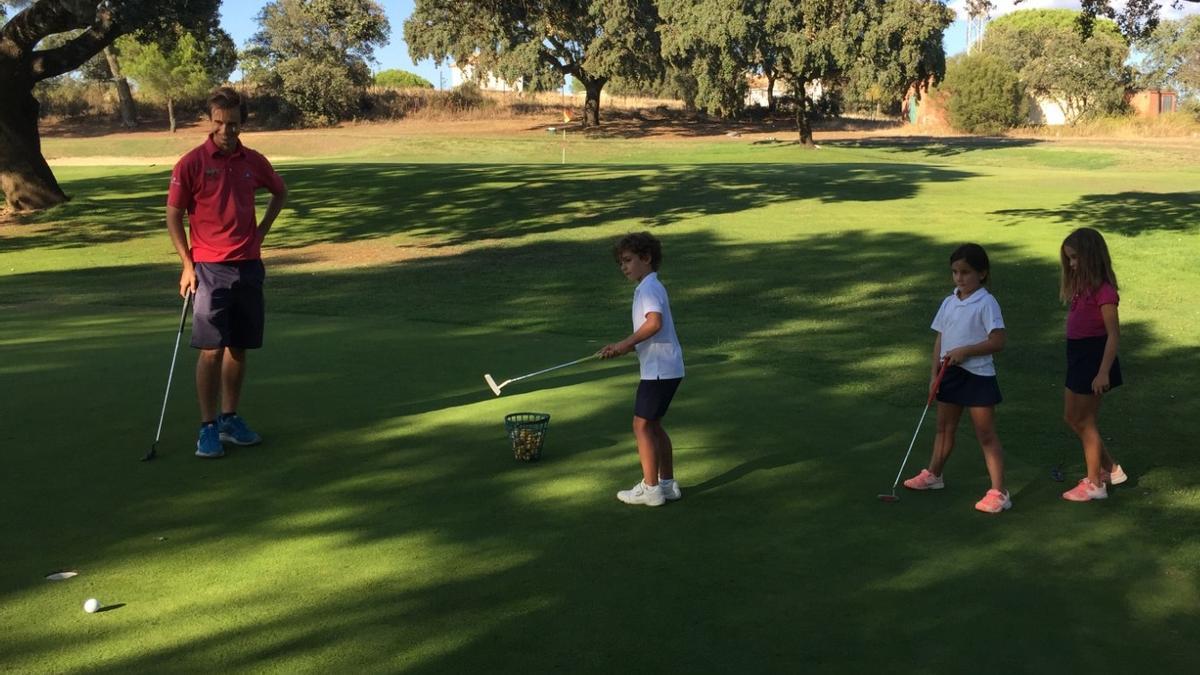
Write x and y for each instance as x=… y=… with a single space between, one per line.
x=969 y=330
x=661 y=359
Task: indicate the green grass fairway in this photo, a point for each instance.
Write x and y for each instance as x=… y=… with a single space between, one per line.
x=384 y=525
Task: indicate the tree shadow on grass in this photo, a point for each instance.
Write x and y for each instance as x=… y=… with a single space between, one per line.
x=1127 y=213
x=454 y=205
x=458 y=204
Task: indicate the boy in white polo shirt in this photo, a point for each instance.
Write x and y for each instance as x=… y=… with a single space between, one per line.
x=970 y=329
x=661 y=359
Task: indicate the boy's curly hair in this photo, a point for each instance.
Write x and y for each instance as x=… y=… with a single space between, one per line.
x=641 y=244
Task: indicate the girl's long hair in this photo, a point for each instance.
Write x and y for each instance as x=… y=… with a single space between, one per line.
x=1094 y=266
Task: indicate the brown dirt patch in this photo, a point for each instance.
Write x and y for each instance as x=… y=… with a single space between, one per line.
x=352 y=254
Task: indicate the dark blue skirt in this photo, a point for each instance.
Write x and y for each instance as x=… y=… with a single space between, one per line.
x=962 y=387
x=1083 y=364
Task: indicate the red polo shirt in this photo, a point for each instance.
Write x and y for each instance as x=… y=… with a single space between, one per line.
x=217 y=191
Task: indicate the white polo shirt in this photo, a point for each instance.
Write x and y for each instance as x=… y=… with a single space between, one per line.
x=660 y=356
x=968 y=322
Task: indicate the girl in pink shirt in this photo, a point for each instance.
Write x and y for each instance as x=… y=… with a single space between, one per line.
x=1089 y=285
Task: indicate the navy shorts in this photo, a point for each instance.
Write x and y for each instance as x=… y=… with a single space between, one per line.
x=962 y=387
x=1083 y=364
x=229 y=309
x=654 y=397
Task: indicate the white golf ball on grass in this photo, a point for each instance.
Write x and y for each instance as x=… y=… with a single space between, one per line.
x=91 y=605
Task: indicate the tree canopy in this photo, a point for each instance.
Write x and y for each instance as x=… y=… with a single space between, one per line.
x=885 y=45
x=25 y=178
x=541 y=42
x=1084 y=75
x=1171 y=57
x=1135 y=18
x=394 y=77
x=315 y=54
x=168 y=73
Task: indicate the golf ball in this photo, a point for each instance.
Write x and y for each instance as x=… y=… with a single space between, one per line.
x=91 y=605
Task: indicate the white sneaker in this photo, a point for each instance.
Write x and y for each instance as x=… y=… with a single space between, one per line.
x=670 y=489
x=643 y=494
x=1115 y=477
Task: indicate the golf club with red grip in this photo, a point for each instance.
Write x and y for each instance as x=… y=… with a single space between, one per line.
x=932 y=393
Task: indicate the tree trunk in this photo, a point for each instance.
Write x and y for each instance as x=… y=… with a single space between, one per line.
x=25 y=178
x=128 y=111
x=591 y=105
x=771 y=105
x=171 y=113
x=802 y=124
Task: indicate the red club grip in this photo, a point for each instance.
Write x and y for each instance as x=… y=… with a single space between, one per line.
x=937 y=381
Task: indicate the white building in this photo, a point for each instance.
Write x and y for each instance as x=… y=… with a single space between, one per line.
x=1049 y=112
x=462 y=75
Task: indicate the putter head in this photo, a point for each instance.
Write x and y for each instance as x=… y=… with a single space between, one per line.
x=888 y=498
x=152 y=454
x=1057 y=473
x=491 y=384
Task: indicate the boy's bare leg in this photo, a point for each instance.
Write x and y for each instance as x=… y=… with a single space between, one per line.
x=208 y=382
x=664 y=451
x=647 y=439
x=984 y=418
x=233 y=372
x=943 y=442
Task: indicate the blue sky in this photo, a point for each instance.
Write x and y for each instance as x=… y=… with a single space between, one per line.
x=238 y=19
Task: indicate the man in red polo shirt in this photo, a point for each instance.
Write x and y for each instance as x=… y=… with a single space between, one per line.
x=215 y=185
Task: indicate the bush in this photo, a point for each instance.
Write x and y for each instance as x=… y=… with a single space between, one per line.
x=466 y=97
x=324 y=93
x=1191 y=107
x=401 y=79
x=986 y=96
x=67 y=96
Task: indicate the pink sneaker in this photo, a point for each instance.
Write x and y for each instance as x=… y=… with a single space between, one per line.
x=994 y=501
x=1085 y=491
x=1116 y=477
x=925 y=481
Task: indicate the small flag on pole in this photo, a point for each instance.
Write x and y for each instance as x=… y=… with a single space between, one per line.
x=566 y=116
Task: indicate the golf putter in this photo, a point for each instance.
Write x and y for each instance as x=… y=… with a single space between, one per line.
x=491 y=383
x=893 y=497
x=187 y=302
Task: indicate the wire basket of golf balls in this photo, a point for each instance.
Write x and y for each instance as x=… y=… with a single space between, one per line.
x=527 y=430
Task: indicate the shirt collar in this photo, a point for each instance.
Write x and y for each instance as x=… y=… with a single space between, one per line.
x=977 y=296
x=648 y=277
x=210 y=146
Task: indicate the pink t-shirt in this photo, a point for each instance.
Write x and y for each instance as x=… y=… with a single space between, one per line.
x=1084 y=319
x=217 y=191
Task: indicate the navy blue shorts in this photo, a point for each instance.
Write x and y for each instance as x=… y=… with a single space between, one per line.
x=962 y=387
x=654 y=397
x=228 y=310
x=1083 y=364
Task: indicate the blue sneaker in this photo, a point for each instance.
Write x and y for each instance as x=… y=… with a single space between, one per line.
x=209 y=444
x=235 y=430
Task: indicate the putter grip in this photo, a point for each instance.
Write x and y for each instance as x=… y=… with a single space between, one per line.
x=937 y=381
